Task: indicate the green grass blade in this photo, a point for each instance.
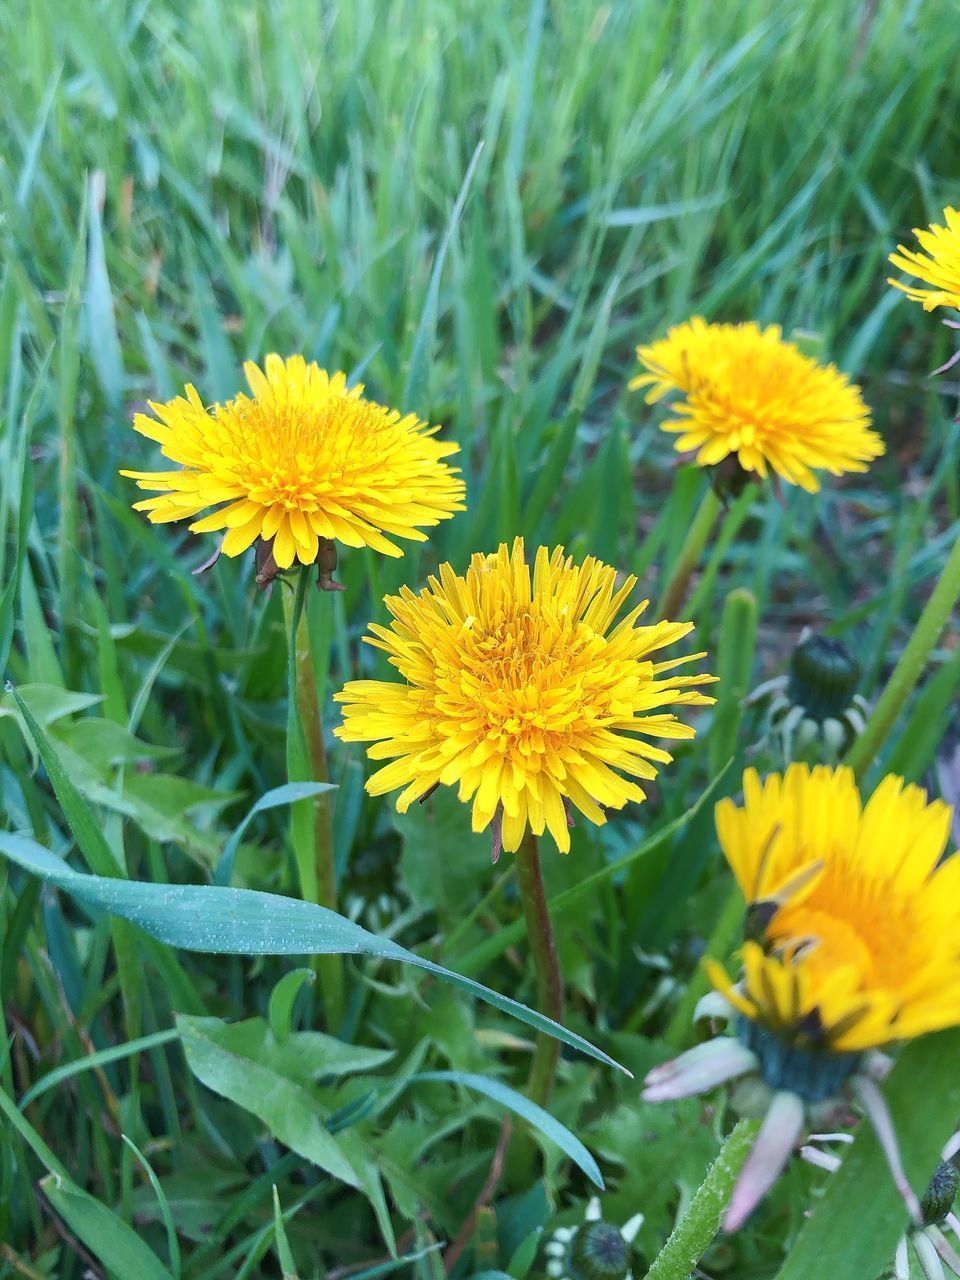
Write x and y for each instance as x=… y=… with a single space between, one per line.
x=246 y=922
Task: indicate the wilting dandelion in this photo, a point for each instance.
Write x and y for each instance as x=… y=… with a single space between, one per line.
x=939 y=265
x=853 y=922
x=302 y=463
x=747 y=394
x=525 y=691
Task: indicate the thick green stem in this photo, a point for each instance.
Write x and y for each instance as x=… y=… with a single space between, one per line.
x=307 y=761
x=910 y=667
x=545 y=963
x=546 y=1054
x=695 y=1231
x=675 y=591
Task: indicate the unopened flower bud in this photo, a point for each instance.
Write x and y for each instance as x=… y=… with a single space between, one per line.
x=937 y=1200
x=823 y=677
x=598 y=1251
x=818 y=712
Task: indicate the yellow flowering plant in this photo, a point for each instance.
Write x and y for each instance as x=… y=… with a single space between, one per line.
x=302 y=462
x=936 y=263
x=853 y=913
x=526 y=690
x=740 y=391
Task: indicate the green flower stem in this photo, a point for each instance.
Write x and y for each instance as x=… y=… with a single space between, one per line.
x=727 y=929
x=307 y=761
x=545 y=963
x=549 y=997
x=695 y=1231
x=675 y=591
x=910 y=667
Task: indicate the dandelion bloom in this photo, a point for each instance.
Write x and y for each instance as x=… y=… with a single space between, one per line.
x=303 y=460
x=524 y=690
x=749 y=394
x=857 y=949
x=939 y=266
x=864 y=952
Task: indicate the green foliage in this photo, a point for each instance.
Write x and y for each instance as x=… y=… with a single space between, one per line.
x=479 y=210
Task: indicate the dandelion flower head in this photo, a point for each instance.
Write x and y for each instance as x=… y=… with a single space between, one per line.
x=938 y=265
x=745 y=392
x=302 y=459
x=525 y=690
x=863 y=949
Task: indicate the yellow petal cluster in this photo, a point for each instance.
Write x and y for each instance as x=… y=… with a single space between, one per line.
x=866 y=950
x=524 y=690
x=748 y=393
x=303 y=457
x=939 y=266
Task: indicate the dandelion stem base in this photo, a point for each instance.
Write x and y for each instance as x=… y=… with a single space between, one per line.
x=694 y=1233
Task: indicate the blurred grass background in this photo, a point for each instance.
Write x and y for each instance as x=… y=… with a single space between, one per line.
x=478 y=209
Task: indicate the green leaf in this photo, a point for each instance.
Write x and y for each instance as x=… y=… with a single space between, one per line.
x=524 y=1255
x=92 y=1060
x=173 y=1245
x=103 y=338
x=236 y=1062
x=289 y=793
x=527 y=1110
x=107 y=1236
x=853 y=1230
x=227 y=1060
x=87 y=833
x=98 y=1227
x=415 y=391
x=282 y=997
x=246 y=922
x=285 y=1257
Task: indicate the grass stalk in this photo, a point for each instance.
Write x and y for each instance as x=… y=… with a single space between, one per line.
x=908 y=670
x=675 y=592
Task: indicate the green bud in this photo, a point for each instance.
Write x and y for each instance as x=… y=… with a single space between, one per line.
x=599 y=1252
x=940 y=1194
x=823 y=678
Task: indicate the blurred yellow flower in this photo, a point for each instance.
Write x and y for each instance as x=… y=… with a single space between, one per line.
x=524 y=690
x=939 y=266
x=865 y=950
x=302 y=460
x=747 y=392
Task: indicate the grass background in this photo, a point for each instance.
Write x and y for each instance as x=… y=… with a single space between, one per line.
x=188 y=185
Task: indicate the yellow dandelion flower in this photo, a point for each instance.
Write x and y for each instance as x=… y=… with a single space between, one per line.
x=939 y=266
x=750 y=394
x=865 y=952
x=301 y=460
x=523 y=690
